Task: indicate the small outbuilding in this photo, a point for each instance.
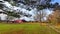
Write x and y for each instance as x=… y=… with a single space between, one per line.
x=2 y=15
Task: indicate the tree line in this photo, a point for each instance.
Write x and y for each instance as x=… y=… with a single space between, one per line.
x=54 y=17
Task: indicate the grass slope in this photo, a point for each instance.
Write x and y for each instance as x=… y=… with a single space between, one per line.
x=26 y=28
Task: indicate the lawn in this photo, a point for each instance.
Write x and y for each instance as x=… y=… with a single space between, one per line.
x=26 y=28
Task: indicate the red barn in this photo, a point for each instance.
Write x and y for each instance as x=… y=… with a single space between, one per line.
x=19 y=21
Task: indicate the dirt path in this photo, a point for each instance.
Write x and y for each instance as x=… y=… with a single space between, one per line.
x=53 y=27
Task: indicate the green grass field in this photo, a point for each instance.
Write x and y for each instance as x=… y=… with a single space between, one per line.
x=26 y=28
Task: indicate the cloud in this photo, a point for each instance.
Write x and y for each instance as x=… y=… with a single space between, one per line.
x=54 y=1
